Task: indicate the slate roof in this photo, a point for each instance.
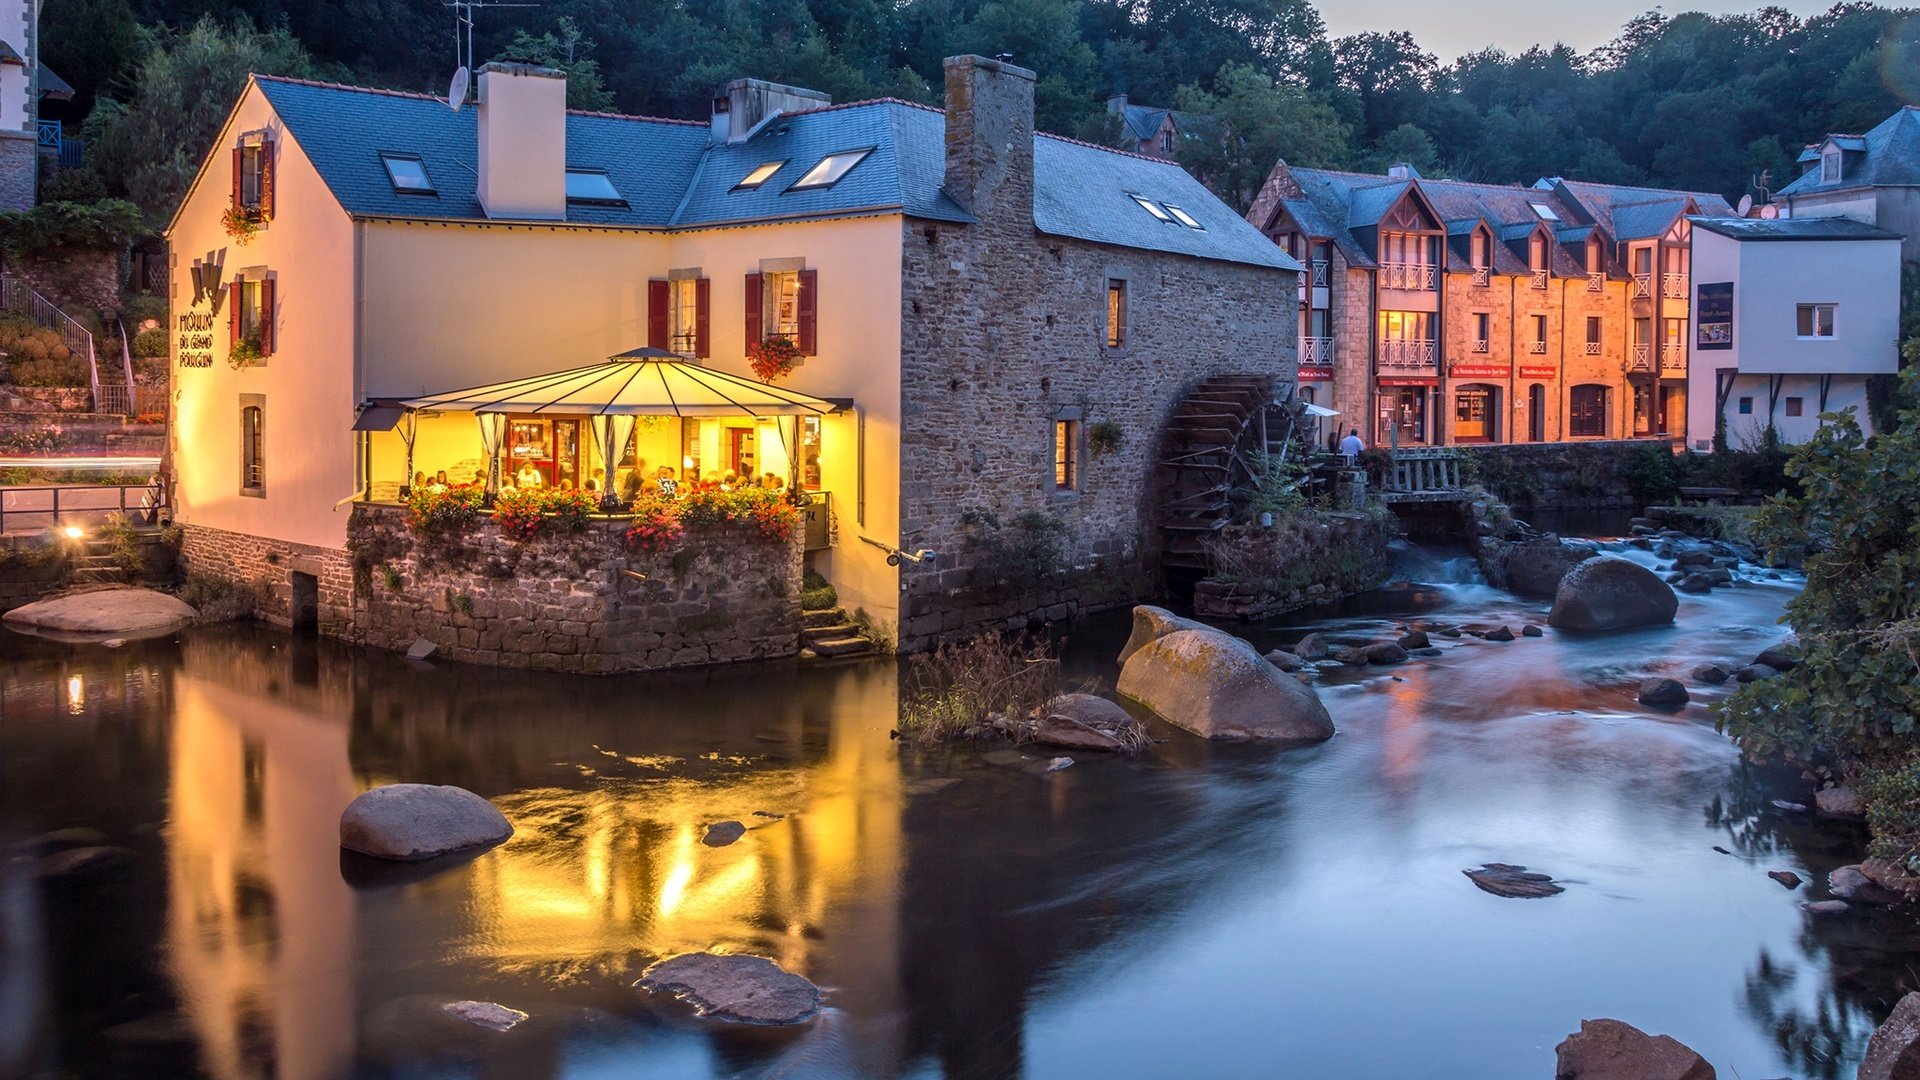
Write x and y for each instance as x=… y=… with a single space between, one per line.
x=1887 y=156
x=1143 y=121
x=1820 y=228
x=53 y=86
x=673 y=177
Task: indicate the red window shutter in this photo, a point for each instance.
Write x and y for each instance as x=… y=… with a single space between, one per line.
x=702 y=318
x=235 y=297
x=657 y=300
x=266 y=180
x=753 y=309
x=238 y=160
x=809 y=307
x=266 y=317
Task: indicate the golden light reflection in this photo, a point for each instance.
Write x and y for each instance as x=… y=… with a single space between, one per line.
x=76 y=695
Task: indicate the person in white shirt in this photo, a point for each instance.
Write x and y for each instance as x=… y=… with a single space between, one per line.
x=1351 y=446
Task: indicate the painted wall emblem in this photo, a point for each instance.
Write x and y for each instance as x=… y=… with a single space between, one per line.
x=193 y=329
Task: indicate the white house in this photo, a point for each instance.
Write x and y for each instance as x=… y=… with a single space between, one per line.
x=1790 y=318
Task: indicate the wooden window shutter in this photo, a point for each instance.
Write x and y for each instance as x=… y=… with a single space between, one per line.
x=235 y=297
x=702 y=318
x=239 y=166
x=266 y=317
x=809 y=308
x=753 y=309
x=266 y=180
x=658 y=298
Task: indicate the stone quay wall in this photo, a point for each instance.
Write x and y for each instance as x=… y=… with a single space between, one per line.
x=34 y=565
x=1340 y=554
x=76 y=278
x=578 y=603
x=267 y=567
x=1558 y=476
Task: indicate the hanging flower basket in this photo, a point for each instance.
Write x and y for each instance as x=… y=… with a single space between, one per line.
x=773 y=358
x=241 y=225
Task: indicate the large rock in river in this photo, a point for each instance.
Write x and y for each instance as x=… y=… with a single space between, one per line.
x=1216 y=686
x=1611 y=594
x=103 y=612
x=408 y=822
x=743 y=989
x=1152 y=623
x=1894 y=1051
x=1536 y=567
x=1612 y=1050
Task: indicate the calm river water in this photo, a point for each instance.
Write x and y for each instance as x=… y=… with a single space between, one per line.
x=1205 y=911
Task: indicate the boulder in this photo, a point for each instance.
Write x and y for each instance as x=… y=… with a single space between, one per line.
x=742 y=989
x=1694 y=583
x=1840 y=801
x=1414 y=639
x=1754 y=673
x=408 y=822
x=1531 y=630
x=1500 y=633
x=1718 y=576
x=1693 y=557
x=1892 y=877
x=103 y=613
x=1085 y=722
x=1826 y=907
x=1513 y=882
x=1534 y=569
x=1152 y=623
x=1311 y=647
x=722 y=833
x=1285 y=660
x=1782 y=657
x=1785 y=877
x=1386 y=652
x=1611 y=594
x=1613 y=1050
x=1894 y=1051
x=1216 y=686
x=1663 y=692
x=1849 y=884
x=1712 y=673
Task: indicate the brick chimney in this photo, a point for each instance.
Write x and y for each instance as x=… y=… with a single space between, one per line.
x=744 y=104
x=523 y=142
x=990 y=138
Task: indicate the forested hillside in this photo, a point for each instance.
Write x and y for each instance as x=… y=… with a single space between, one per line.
x=1688 y=101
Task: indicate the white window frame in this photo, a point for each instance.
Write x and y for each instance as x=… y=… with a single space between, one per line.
x=777 y=286
x=1831 y=166
x=1832 y=311
x=683 y=314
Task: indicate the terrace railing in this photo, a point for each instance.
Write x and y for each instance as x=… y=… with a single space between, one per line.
x=1673 y=286
x=1406 y=275
x=1406 y=354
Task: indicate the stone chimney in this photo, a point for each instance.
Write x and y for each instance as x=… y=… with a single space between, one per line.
x=1116 y=104
x=523 y=142
x=743 y=105
x=1402 y=170
x=990 y=138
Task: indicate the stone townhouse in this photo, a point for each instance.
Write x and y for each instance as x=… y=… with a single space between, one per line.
x=1874 y=178
x=992 y=327
x=1437 y=312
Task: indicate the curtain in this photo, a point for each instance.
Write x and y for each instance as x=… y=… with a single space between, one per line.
x=612 y=433
x=493 y=427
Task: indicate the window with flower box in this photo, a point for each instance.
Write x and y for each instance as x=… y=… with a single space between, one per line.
x=253 y=176
x=782 y=301
x=250 y=319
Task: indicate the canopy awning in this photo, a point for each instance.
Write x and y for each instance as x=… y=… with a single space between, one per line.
x=1320 y=410
x=638 y=383
x=380 y=414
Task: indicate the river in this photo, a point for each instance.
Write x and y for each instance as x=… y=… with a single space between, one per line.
x=1206 y=910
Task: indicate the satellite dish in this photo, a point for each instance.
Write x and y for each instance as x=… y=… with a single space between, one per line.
x=1745 y=207
x=457 y=90
x=1769 y=212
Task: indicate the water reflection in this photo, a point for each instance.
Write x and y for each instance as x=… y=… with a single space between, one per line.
x=968 y=914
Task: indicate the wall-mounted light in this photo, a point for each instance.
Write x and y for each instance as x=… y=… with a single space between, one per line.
x=73 y=532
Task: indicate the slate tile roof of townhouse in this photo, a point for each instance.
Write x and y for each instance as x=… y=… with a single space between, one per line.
x=1886 y=156
x=673 y=177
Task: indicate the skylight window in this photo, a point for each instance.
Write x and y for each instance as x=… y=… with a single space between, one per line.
x=592 y=187
x=1184 y=218
x=1153 y=208
x=1544 y=212
x=408 y=173
x=761 y=174
x=830 y=170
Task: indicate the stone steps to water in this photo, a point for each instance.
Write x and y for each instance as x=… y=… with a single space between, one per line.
x=832 y=634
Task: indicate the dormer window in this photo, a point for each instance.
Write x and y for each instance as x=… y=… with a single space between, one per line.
x=830 y=170
x=408 y=174
x=761 y=173
x=592 y=187
x=1829 y=165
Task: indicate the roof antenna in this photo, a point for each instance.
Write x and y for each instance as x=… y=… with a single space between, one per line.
x=463 y=46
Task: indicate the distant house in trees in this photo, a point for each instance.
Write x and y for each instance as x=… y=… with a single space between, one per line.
x=1145 y=129
x=1873 y=178
x=24 y=83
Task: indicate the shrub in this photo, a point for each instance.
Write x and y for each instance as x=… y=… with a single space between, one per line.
x=112 y=223
x=73 y=186
x=218 y=599
x=143 y=306
x=448 y=510
x=817 y=593
x=1652 y=474
x=150 y=343
x=1028 y=553
x=516 y=513
x=768 y=511
x=656 y=528
x=1104 y=437
x=37 y=356
x=960 y=688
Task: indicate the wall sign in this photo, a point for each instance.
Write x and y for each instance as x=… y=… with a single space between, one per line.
x=1479 y=371
x=1713 y=316
x=193 y=330
x=1430 y=381
x=1316 y=371
x=1546 y=372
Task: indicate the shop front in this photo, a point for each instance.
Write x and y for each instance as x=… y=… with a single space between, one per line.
x=1405 y=410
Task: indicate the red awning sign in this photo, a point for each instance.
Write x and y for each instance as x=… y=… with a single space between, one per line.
x=1480 y=371
x=1315 y=372
x=1536 y=372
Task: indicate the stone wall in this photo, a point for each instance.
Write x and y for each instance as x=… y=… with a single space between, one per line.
x=575 y=603
x=53 y=398
x=75 y=279
x=1003 y=333
x=19 y=169
x=268 y=566
x=33 y=565
x=1337 y=554
x=1558 y=476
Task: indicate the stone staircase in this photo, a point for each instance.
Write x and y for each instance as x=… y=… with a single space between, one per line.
x=95 y=565
x=831 y=633
x=1203 y=463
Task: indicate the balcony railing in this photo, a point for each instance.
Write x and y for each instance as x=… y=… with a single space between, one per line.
x=1593 y=348
x=1316 y=350
x=1536 y=346
x=1540 y=279
x=1482 y=276
x=1596 y=282
x=1406 y=275
x=1673 y=286
x=1642 y=357
x=1406 y=354
x=1673 y=358
x=70 y=153
x=1642 y=286
x=1480 y=346
x=1320 y=271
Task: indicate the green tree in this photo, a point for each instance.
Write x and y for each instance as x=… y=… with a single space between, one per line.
x=1247 y=122
x=148 y=147
x=565 y=48
x=91 y=44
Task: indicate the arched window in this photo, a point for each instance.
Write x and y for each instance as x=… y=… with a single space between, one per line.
x=1587 y=410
